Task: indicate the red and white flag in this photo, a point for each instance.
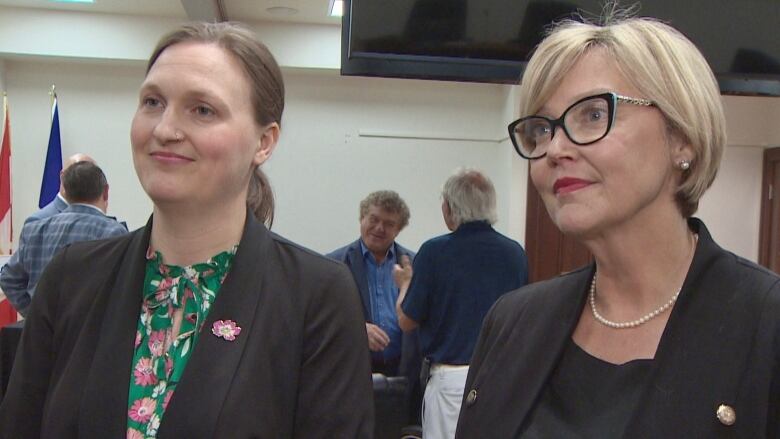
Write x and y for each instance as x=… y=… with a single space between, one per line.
x=6 y=229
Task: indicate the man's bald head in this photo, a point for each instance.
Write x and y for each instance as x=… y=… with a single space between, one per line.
x=75 y=158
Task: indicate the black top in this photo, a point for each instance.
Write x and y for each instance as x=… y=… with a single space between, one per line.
x=720 y=346
x=587 y=397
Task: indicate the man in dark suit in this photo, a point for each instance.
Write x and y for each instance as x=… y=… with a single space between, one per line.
x=371 y=258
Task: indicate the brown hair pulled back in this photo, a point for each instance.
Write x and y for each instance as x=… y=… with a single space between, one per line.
x=265 y=80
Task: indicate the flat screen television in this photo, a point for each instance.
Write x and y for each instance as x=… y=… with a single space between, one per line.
x=491 y=40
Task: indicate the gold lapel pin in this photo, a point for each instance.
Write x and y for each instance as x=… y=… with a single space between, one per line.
x=726 y=415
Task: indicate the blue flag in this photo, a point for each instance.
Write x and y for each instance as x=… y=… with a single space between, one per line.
x=50 y=185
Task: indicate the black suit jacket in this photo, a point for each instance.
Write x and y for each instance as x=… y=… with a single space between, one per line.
x=721 y=345
x=298 y=369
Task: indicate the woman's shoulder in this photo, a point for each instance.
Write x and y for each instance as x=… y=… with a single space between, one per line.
x=759 y=289
x=318 y=279
x=752 y=272
x=738 y=273
x=292 y=257
x=99 y=251
x=303 y=254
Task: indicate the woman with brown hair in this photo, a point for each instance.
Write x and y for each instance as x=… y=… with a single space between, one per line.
x=202 y=323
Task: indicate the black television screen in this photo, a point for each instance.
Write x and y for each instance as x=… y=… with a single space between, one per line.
x=491 y=40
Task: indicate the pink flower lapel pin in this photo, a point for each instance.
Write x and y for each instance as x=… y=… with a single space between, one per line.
x=226 y=329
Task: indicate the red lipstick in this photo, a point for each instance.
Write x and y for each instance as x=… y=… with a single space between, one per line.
x=567 y=184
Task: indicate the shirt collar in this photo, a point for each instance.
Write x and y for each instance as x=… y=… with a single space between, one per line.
x=389 y=256
x=472 y=225
x=97 y=209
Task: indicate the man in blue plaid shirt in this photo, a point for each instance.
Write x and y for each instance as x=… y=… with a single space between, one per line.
x=86 y=191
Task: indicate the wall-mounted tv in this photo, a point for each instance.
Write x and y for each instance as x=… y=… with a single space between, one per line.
x=491 y=40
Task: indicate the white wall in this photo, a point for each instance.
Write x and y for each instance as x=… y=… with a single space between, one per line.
x=324 y=165
x=517 y=172
x=344 y=137
x=2 y=80
x=731 y=208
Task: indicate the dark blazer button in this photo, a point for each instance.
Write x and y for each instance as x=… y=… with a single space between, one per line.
x=726 y=415
x=472 y=397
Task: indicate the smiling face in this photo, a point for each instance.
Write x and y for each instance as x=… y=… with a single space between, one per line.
x=378 y=229
x=195 y=141
x=626 y=176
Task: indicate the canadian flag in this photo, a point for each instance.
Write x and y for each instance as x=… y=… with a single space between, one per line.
x=7 y=313
x=6 y=229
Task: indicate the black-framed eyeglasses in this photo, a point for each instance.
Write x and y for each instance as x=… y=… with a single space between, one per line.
x=586 y=121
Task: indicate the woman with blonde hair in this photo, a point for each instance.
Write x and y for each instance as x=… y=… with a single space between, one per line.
x=202 y=323
x=666 y=334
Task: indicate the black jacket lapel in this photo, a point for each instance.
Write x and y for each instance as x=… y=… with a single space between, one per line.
x=210 y=370
x=556 y=306
x=358 y=269
x=115 y=315
x=707 y=320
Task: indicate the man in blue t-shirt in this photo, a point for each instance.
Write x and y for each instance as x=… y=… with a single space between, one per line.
x=457 y=278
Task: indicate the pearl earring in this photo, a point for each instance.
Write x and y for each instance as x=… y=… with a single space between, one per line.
x=684 y=164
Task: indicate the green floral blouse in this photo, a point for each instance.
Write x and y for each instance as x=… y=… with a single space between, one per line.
x=159 y=360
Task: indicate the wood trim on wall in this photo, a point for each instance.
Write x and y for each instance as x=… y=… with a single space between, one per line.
x=768 y=202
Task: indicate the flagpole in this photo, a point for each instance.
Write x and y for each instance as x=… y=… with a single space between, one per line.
x=5 y=110
x=52 y=99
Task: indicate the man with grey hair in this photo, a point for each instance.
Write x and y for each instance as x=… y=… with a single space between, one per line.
x=456 y=279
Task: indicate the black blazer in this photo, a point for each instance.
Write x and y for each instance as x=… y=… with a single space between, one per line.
x=299 y=368
x=721 y=345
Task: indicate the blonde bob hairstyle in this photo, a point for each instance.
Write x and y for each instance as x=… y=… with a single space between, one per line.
x=663 y=65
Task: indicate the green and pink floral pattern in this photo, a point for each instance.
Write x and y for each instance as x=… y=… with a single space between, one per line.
x=160 y=358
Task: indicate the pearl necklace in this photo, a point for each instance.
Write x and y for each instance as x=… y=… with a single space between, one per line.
x=634 y=323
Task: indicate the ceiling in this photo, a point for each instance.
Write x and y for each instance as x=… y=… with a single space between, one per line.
x=297 y=11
